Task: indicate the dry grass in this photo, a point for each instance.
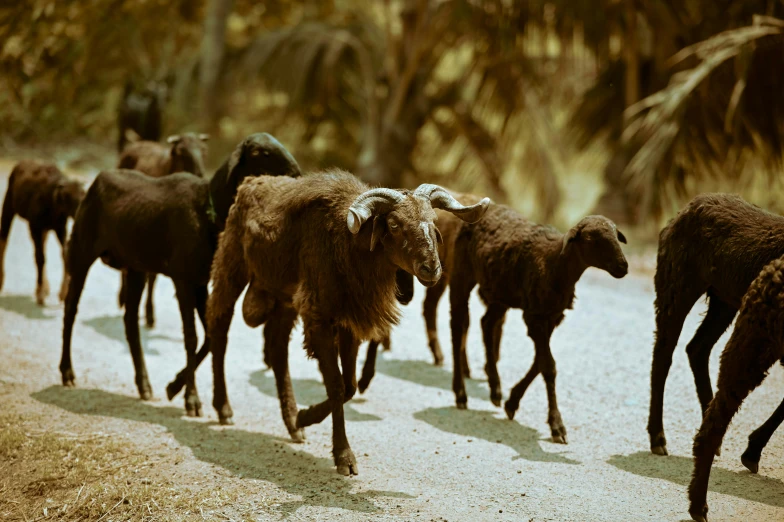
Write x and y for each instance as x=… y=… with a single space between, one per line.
x=64 y=476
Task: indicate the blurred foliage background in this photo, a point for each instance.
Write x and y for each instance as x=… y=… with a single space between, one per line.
x=559 y=108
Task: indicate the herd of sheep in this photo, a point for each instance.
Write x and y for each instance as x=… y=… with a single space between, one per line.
x=341 y=256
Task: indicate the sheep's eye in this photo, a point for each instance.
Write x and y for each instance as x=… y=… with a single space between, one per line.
x=393 y=226
x=266 y=153
x=254 y=153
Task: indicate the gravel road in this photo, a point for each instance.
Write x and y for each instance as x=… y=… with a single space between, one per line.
x=419 y=457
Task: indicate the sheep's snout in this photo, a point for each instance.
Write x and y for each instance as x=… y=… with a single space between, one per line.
x=620 y=270
x=428 y=272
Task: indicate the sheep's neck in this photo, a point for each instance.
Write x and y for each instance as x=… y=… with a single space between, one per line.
x=569 y=269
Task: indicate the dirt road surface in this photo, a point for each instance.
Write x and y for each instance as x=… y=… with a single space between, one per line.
x=419 y=457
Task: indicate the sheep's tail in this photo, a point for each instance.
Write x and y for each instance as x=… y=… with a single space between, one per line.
x=8 y=208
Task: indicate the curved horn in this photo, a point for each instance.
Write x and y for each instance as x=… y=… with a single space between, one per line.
x=440 y=198
x=375 y=201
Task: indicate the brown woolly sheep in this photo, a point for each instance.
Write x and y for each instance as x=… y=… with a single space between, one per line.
x=448 y=226
x=519 y=264
x=46 y=198
x=302 y=247
x=716 y=245
x=184 y=153
x=755 y=345
x=168 y=226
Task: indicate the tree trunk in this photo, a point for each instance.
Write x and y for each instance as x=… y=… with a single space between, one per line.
x=212 y=48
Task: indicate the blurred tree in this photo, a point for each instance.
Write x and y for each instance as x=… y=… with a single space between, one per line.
x=212 y=49
x=707 y=110
x=366 y=82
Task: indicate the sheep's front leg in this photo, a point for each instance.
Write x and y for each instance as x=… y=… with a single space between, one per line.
x=277 y=332
x=369 y=368
x=492 y=323
x=186 y=298
x=429 y=307
x=540 y=330
x=462 y=284
x=149 y=308
x=320 y=340
x=42 y=284
x=349 y=347
x=759 y=439
x=134 y=286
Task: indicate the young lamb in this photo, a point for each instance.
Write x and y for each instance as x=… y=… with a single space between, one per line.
x=303 y=248
x=184 y=153
x=46 y=198
x=140 y=113
x=716 y=245
x=755 y=345
x=166 y=225
x=519 y=264
x=448 y=226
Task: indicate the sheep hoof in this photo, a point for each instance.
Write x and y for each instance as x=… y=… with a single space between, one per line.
x=69 y=379
x=659 y=450
x=462 y=405
x=438 y=361
x=560 y=439
x=363 y=385
x=718 y=451
x=495 y=398
x=145 y=390
x=193 y=407
x=751 y=465
x=510 y=410
x=699 y=514
x=298 y=436
x=346 y=463
x=226 y=421
x=150 y=323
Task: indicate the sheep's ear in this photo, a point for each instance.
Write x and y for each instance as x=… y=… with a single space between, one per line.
x=378 y=231
x=621 y=237
x=439 y=237
x=174 y=138
x=132 y=136
x=570 y=237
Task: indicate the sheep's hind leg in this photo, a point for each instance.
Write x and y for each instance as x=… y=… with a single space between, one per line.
x=716 y=321
x=78 y=274
x=540 y=331
x=277 y=331
x=42 y=283
x=61 y=238
x=492 y=323
x=186 y=298
x=759 y=439
x=134 y=287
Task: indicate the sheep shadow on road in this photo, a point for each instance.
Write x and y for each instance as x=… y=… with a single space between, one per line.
x=486 y=425
x=243 y=453
x=25 y=305
x=427 y=374
x=307 y=392
x=113 y=327
x=741 y=484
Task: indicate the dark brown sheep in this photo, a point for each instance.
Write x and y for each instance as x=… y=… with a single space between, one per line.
x=519 y=264
x=141 y=112
x=302 y=248
x=755 y=345
x=184 y=153
x=716 y=245
x=168 y=226
x=46 y=198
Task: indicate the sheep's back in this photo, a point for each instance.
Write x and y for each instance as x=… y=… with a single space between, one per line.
x=510 y=256
x=34 y=184
x=720 y=242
